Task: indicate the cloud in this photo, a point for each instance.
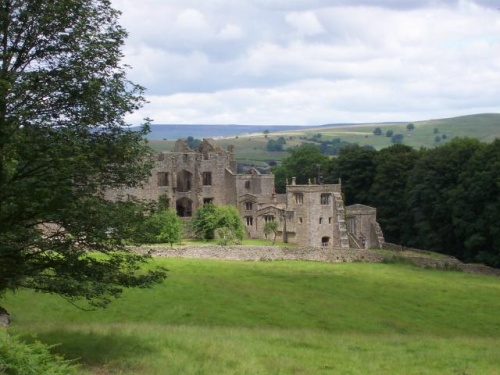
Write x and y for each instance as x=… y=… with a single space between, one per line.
x=314 y=61
x=305 y=23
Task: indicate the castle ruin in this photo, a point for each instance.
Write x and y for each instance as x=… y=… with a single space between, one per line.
x=307 y=215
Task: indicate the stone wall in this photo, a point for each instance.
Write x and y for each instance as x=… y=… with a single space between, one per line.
x=257 y=253
x=317 y=254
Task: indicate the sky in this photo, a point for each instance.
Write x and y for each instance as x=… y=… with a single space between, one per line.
x=312 y=62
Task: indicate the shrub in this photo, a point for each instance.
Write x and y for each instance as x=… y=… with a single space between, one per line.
x=19 y=358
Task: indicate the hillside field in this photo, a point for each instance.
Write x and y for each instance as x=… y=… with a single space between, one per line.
x=251 y=147
x=282 y=317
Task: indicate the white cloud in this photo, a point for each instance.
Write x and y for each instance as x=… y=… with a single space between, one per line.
x=305 y=23
x=313 y=62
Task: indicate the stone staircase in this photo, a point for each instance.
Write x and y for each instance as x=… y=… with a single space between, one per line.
x=344 y=235
x=379 y=234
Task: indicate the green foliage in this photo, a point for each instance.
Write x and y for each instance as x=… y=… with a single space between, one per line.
x=302 y=163
x=271 y=227
x=397 y=138
x=225 y=236
x=389 y=133
x=377 y=131
x=210 y=217
x=19 y=358
x=410 y=126
x=193 y=143
x=63 y=143
x=388 y=191
x=443 y=199
x=163 y=226
x=355 y=167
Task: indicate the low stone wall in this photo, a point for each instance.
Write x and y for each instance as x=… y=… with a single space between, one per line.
x=480 y=268
x=317 y=254
x=265 y=253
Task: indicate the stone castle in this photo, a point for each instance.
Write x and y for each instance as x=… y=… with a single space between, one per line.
x=307 y=215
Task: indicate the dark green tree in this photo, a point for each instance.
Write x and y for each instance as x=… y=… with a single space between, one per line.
x=432 y=185
x=304 y=163
x=273 y=145
x=192 y=142
x=388 y=192
x=476 y=206
x=63 y=143
x=410 y=126
x=377 y=131
x=389 y=133
x=397 y=138
x=355 y=166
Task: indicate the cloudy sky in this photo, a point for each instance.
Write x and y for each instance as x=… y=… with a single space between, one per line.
x=312 y=62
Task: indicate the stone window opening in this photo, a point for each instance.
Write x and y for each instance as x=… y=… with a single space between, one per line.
x=325 y=241
x=162 y=178
x=184 y=181
x=330 y=220
x=208 y=200
x=247 y=184
x=184 y=207
x=299 y=198
x=249 y=221
x=321 y=220
x=325 y=199
x=207 y=178
x=268 y=218
x=248 y=206
x=300 y=220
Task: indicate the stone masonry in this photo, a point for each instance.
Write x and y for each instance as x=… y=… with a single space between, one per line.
x=308 y=215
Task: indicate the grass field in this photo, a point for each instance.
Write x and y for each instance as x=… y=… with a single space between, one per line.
x=221 y=317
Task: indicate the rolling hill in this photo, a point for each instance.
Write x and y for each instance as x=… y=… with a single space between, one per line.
x=250 y=141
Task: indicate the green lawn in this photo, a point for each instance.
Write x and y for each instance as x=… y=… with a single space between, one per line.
x=283 y=317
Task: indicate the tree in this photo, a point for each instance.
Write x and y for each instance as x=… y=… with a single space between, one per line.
x=209 y=218
x=63 y=143
x=388 y=191
x=377 y=131
x=389 y=133
x=164 y=226
x=410 y=127
x=193 y=143
x=271 y=227
x=355 y=167
x=432 y=185
x=273 y=145
x=302 y=163
x=397 y=138
x=476 y=206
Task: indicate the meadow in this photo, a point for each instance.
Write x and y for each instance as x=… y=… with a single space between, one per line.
x=283 y=317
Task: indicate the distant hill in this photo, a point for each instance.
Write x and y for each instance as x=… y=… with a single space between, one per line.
x=250 y=141
x=176 y=131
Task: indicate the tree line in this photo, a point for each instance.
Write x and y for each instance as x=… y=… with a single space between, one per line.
x=445 y=199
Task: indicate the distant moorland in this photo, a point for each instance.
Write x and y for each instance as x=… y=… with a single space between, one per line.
x=251 y=141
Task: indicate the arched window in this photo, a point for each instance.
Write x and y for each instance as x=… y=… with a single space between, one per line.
x=184 y=207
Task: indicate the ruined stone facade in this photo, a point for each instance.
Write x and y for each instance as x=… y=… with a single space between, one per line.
x=308 y=215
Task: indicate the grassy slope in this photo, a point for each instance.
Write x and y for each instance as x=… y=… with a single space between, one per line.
x=281 y=318
x=251 y=148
